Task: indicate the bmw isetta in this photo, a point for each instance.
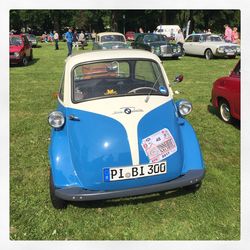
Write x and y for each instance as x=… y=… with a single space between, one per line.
x=117 y=131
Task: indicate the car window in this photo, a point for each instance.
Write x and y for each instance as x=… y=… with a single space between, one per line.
x=15 y=40
x=116 y=78
x=196 y=38
x=112 y=38
x=189 y=39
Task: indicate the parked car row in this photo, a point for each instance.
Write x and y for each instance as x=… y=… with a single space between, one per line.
x=207 y=45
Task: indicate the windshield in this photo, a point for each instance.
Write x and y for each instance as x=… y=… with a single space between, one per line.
x=112 y=38
x=153 y=38
x=117 y=78
x=16 y=40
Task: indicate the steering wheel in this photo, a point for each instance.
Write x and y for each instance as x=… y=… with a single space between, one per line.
x=136 y=89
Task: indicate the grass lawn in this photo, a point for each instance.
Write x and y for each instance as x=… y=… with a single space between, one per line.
x=212 y=213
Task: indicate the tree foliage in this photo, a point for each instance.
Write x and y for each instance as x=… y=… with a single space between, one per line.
x=116 y=20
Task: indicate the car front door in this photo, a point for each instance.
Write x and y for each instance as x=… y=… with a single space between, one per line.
x=188 y=44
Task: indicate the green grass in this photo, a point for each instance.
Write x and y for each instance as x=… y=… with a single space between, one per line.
x=211 y=213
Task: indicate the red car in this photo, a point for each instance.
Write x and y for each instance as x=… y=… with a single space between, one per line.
x=130 y=35
x=20 y=50
x=226 y=95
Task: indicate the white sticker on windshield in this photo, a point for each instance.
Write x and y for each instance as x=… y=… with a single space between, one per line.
x=159 y=145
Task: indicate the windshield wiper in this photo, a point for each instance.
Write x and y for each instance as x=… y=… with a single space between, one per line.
x=149 y=94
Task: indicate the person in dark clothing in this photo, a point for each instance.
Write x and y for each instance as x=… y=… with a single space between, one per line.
x=69 y=39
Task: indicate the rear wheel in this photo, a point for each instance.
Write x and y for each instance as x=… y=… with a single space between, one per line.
x=225 y=112
x=209 y=54
x=56 y=202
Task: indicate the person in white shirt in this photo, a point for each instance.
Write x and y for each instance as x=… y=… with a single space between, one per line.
x=81 y=39
x=179 y=39
x=56 y=38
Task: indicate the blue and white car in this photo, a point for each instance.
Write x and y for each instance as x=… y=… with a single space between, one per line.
x=117 y=131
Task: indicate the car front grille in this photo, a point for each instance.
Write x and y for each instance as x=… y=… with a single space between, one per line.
x=166 y=49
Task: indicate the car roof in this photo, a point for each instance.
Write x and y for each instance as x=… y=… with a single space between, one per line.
x=97 y=55
x=109 y=33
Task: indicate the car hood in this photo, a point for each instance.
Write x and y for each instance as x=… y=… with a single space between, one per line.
x=14 y=48
x=112 y=138
x=155 y=44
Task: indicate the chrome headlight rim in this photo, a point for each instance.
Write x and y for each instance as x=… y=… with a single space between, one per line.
x=56 y=119
x=184 y=107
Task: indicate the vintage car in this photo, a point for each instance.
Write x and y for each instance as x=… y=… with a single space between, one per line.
x=130 y=35
x=157 y=44
x=209 y=46
x=110 y=40
x=118 y=132
x=32 y=39
x=20 y=50
x=226 y=95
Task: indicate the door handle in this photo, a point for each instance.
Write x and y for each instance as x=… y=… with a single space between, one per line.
x=74 y=118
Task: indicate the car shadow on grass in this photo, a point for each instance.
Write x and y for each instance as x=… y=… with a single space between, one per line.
x=212 y=110
x=147 y=198
x=34 y=60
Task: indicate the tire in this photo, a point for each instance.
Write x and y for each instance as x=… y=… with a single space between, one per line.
x=194 y=187
x=56 y=202
x=209 y=54
x=31 y=56
x=231 y=57
x=224 y=111
x=25 y=61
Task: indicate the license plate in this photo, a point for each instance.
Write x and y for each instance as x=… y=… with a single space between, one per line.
x=230 y=53
x=133 y=172
x=167 y=55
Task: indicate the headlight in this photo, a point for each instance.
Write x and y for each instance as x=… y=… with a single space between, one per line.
x=56 y=119
x=16 y=54
x=184 y=107
x=238 y=49
x=221 y=49
x=152 y=49
x=179 y=49
x=174 y=50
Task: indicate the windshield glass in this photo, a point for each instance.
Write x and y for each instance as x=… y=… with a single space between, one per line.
x=15 y=40
x=153 y=38
x=112 y=38
x=117 y=78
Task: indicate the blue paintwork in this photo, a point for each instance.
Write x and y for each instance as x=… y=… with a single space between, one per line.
x=82 y=149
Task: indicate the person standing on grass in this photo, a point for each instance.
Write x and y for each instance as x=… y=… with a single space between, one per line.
x=69 y=39
x=56 y=38
x=81 y=39
x=228 y=33
x=179 y=39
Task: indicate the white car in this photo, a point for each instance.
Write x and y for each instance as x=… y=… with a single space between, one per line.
x=210 y=45
x=110 y=40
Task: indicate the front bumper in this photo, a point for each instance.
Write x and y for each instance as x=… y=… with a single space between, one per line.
x=79 y=194
x=170 y=55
